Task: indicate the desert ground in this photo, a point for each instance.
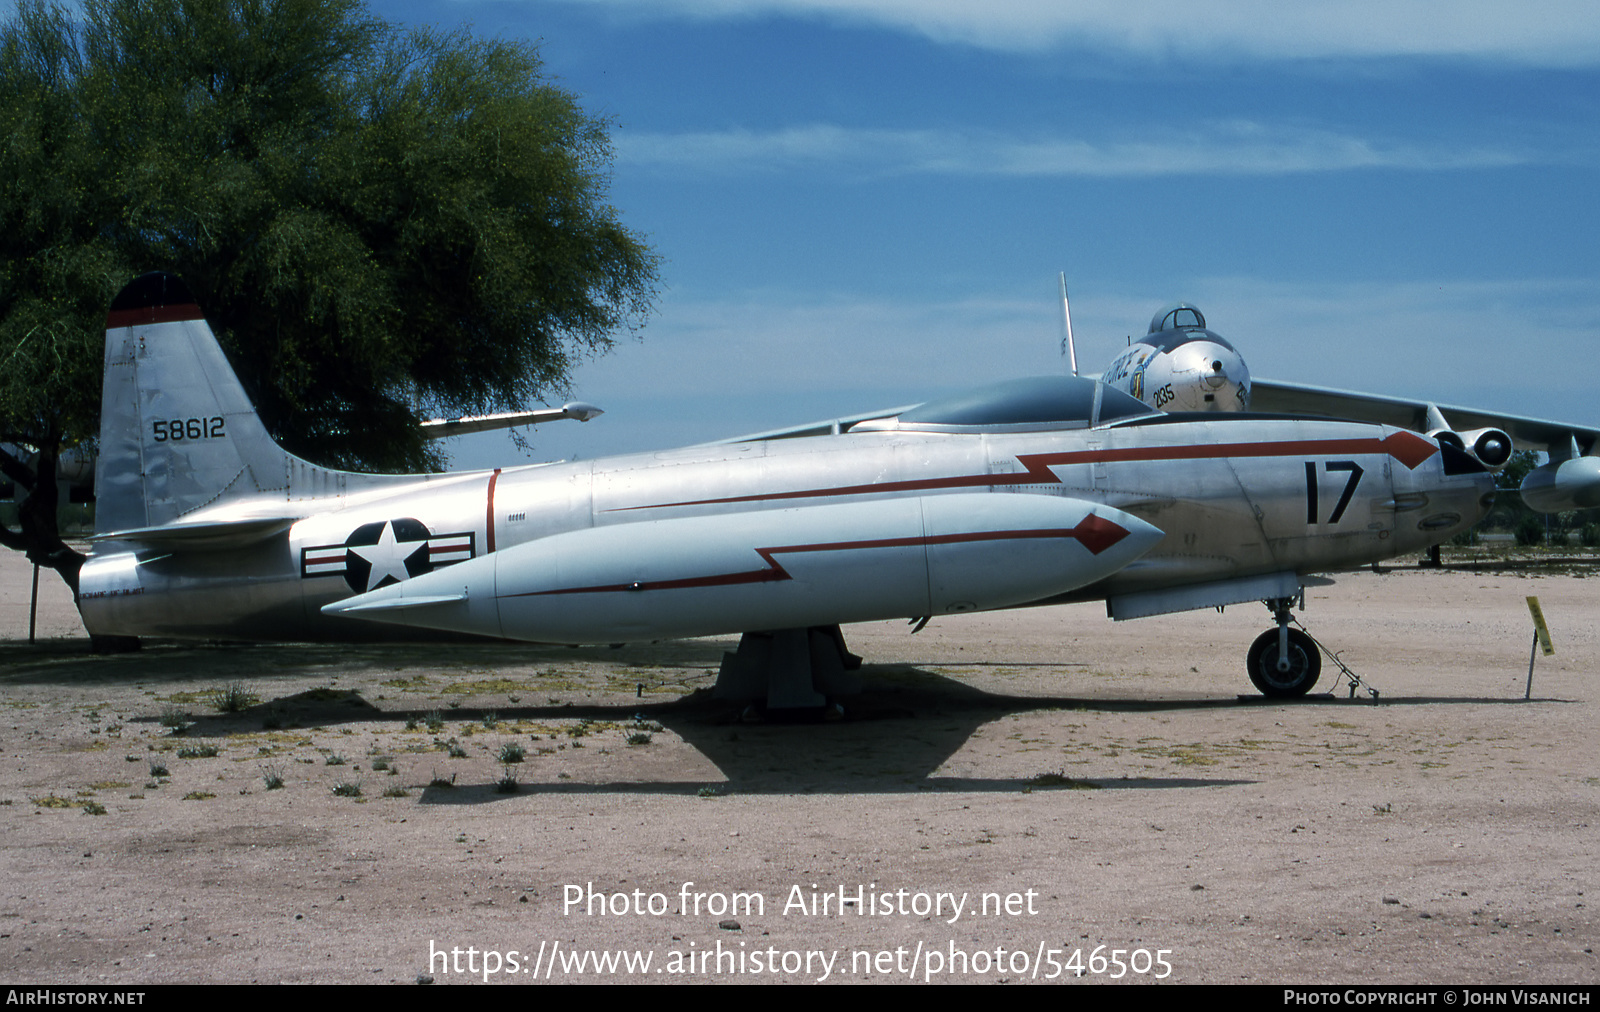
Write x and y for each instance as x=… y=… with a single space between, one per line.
x=1013 y=797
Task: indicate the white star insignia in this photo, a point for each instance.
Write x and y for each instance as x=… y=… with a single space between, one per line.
x=387 y=557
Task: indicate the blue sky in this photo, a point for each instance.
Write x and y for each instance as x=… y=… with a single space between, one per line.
x=862 y=203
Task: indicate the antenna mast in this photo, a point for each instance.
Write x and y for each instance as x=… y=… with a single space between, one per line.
x=1069 y=351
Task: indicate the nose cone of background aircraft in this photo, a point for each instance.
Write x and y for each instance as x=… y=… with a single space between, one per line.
x=1208 y=376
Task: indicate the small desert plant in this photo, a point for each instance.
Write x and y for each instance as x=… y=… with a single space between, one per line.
x=93 y=808
x=272 y=776
x=348 y=788
x=638 y=738
x=1530 y=531
x=380 y=763
x=204 y=750
x=511 y=752
x=438 y=781
x=396 y=792
x=232 y=698
x=456 y=751
x=435 y=721
x=490 y=720
x=159 y=769
x=334 y=759
x=174 y=717
x=507 y=784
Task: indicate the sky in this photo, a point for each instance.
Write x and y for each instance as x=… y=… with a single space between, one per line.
x=866 y=203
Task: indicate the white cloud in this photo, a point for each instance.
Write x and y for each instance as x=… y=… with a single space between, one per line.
x=1538 y=32
x=1225 y=148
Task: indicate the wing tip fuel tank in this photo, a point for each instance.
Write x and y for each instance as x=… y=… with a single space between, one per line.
x=766 y=569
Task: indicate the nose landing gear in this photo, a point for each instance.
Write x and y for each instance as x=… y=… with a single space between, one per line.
x=1284 y=674
x=1285 y=663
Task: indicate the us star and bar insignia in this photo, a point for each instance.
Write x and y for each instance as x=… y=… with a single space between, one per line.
x=388 y=551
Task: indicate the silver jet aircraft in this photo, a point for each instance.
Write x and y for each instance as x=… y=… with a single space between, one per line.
x=1037 y=491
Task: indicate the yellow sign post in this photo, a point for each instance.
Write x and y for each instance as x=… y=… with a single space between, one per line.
x=1541 y=638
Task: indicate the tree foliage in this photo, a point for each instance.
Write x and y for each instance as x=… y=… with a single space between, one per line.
x=379 y=223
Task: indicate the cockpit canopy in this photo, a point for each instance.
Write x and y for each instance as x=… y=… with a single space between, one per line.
x=1038 y=401
x=1179 y=316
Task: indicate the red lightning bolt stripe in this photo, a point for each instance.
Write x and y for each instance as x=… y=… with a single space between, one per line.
x=1093 y=532
x=1408 y=448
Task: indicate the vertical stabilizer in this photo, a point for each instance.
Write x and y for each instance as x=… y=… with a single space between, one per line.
x=177 y=431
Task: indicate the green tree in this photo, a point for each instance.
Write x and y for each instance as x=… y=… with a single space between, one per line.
x=1509 y=511
x=379 y=223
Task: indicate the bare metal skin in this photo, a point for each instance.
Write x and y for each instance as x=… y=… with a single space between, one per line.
x=1044 y=490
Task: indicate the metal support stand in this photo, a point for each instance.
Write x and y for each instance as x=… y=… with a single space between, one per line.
x=789 y=668
x=1352 y=679
x=33 y=605
x=1533 y=653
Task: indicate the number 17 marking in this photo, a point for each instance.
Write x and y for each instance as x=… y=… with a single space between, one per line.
x=1344 y=497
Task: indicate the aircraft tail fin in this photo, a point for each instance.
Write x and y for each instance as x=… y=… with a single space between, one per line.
x=177 y=431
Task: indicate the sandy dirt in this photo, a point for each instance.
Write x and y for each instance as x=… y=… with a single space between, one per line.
x=1097 y=786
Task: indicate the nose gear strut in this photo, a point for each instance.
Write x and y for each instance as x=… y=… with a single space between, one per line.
x=1285 y=662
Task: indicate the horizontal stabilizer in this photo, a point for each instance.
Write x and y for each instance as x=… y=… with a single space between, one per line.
x=209 y=535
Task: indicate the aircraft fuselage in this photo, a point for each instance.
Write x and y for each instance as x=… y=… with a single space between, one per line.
x=1232 y=495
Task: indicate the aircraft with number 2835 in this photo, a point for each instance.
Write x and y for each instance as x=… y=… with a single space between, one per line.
x=1044 y=490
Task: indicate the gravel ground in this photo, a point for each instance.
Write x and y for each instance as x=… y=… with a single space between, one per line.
x=1012 y=796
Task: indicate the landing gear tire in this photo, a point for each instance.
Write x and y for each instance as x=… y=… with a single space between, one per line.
x=1305 y=665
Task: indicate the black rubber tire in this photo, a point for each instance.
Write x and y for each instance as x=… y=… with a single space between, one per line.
x=1305 y=665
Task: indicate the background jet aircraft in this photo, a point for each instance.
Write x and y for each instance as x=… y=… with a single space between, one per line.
x=1035 y=491
x=1179 y=365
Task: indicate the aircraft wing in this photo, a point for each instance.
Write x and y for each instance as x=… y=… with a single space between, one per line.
x=1273 y=397
x=443 y=428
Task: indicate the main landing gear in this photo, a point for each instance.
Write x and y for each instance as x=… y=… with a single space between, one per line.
x=1284 y=662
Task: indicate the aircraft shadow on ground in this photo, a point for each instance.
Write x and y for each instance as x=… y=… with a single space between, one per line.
x=892 y=738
